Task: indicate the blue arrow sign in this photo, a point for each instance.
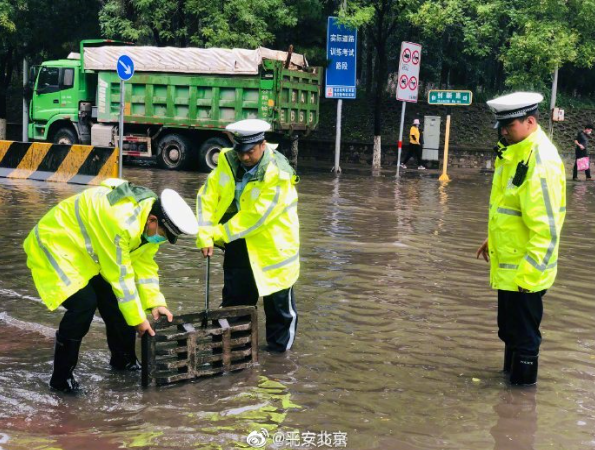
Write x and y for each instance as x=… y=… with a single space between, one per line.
x=125 y=67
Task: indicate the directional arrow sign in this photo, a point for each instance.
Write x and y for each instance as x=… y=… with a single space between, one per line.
x=125 y=67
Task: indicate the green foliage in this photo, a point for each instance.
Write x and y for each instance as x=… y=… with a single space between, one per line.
x=201 y=23
x=529 y=38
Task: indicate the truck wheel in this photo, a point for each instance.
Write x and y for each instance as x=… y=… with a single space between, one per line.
x=174 y=152
x=209 y=152
x=65 y=136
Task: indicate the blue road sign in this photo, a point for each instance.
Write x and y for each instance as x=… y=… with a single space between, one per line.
x=341 y=51
x=125 y=67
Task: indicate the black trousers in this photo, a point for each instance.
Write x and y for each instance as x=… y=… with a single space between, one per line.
x=413 y=150
x=80 y=309
x=519 y=317
x=575 y=170
x=239 y=289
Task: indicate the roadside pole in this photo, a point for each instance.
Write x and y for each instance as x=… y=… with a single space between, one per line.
x=444 y=177
x=448 y=98
x=340 y=83
x=121 y=129
x=25 y=137
x=400 y=146
x=337 y=168
x=125 y=69
x=408 y=86
x=553 y=103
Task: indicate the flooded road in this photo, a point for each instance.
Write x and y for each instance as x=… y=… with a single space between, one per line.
x=396 y=345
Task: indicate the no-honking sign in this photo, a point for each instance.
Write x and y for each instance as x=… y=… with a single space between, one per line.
x=409 y=64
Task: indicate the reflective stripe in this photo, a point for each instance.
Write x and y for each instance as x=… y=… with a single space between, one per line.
x=293 y=324
x=563 y=209
x=134 y=216
x=88 y=245
x=148 y=281
x=508 y=266
x=268 y=212
x=550 y=216
x=540 y=267
x=51 y=259
x=510 y=212
x=290 y=207
x=282 y=263
x=199 y=213
x=128 y=296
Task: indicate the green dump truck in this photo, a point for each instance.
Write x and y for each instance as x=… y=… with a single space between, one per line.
x=178 y=102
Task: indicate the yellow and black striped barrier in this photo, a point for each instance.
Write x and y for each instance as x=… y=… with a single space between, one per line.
x=78 y=164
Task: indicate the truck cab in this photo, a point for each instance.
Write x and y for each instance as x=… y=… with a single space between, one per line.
x=57 y=91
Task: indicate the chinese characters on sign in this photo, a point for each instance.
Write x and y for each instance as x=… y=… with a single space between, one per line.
x=454 y=98
x=341 y=51
x=409 y=63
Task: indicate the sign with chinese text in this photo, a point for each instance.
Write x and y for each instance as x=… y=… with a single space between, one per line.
x=450 y=98
x=409 y=63
x=341 y=51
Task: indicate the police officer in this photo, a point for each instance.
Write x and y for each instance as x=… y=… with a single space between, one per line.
x=527 y=210
x=96 y=250
x=249 y=205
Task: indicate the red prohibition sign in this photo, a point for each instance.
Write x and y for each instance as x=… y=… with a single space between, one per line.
x=415 y=57
x=406 y=55
x=403 y=82
x=413 y=83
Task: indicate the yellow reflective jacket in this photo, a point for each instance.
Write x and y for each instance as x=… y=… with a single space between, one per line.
x=525 y=222
x=97 y=232
x=267 y=218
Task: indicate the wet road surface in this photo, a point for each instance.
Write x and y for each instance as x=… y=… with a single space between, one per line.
x=396 y=343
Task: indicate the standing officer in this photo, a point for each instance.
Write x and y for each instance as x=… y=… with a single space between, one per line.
x=527 y=210
x=96 y=250
x=249 y=205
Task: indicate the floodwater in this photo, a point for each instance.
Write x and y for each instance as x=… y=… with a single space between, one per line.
x=396 y=346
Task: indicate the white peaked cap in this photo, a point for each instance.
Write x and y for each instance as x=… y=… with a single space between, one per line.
x=179 y=218
x=515 y=105
x=248 y=127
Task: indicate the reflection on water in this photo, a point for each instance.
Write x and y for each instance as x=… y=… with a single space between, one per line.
x=397 y=345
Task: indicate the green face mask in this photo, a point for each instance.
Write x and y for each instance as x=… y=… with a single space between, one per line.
x=155 y=239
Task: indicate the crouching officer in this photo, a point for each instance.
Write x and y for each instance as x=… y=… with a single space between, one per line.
x=96 y=250
x=527 y=210
x=249 y=205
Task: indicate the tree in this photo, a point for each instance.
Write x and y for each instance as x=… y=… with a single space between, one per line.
x=380 y=19
x=39 y=29
x=509 y=43
x=201 y=23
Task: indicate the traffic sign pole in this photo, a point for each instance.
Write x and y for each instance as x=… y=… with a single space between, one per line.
x=408 y=86
x=337 y=168
x=400 y=148
x=125 y=70
x=121 y=130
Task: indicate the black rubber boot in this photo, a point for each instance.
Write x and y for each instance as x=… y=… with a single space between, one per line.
x=121 y=342
x=66 y=355
x=507 y=359
x=524 y=370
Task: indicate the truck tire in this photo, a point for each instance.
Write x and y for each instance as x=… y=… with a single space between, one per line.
x=174 y=152
x=208 y=155
x=65 y=136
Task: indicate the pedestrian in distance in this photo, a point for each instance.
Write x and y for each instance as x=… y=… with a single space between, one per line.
x=96 y=250
x=581 y=141
x=248 y=205
x=526 y=214
x=414 y=148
